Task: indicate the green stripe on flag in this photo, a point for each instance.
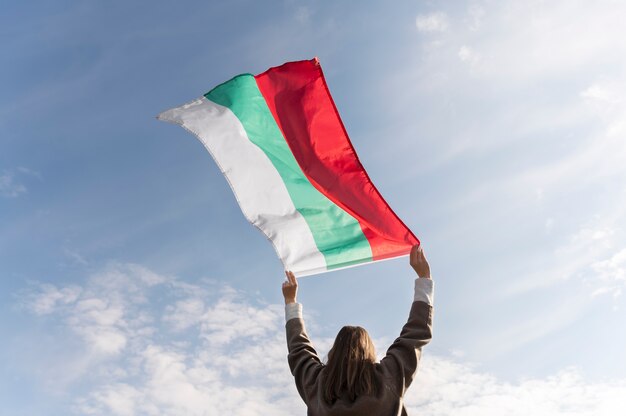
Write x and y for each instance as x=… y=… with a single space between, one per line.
x=337 y=234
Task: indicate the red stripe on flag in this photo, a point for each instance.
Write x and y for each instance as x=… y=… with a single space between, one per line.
x=300 y=101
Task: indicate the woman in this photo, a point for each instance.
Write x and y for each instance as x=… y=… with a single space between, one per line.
x=352 y=382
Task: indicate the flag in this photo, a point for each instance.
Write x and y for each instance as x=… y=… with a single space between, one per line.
x=278 y=139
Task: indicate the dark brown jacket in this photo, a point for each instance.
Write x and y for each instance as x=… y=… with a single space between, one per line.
x=394 y=373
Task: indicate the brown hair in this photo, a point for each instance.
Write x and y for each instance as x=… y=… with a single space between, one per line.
x=350 y=366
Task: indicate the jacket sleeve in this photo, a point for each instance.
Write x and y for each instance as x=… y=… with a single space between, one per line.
x=304 y=362
x=403 y=356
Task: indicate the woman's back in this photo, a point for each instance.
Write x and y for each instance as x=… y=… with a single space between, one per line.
x=390 y=378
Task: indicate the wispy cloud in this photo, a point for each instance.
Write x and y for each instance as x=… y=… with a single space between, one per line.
x=446 y=387
x=48 y=298
x=612 y=273
x=203 y=350
x=535 y=117
x=9 y=187
x=75 y=257
x=433 y=22
x=220 y=352
x=474 y=18
x=468 y=55
x=30 y=172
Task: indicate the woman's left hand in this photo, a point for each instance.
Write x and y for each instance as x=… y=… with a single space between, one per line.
x=290 y=288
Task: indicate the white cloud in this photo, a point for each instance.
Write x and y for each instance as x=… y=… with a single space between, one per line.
x=228 y=320
x=433 y=22
x=611 y=273
x=185 y=313
x=580 y=256
x=468 y=55
x=30 y=172
x=475 y=15
x=104 y=313
x=537 y=39
x=446 y=387
x=232 y=359
x=119 y=399
x=606 y=99
x=49 y=298
x=9 y=188
x=75 y=257
x=578 y=115
x=613 y=268
x=602 y=93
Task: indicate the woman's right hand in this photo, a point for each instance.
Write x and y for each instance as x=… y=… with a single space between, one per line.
x=290 y=288
x=418 y=261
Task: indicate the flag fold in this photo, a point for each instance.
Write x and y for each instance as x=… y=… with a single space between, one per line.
x=278 y=139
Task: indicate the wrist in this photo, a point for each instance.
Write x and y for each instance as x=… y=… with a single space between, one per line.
x=290 y=301
x=422 y=274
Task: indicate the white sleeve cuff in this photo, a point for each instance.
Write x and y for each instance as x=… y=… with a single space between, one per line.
x=293 y=310
x=424 y=290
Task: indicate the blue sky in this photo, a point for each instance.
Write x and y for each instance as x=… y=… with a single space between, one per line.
x=131 y=284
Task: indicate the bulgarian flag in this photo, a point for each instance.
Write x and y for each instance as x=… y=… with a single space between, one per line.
x=279 y=140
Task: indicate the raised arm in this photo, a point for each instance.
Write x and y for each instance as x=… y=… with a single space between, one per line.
x=403 y=356
x=303 y=360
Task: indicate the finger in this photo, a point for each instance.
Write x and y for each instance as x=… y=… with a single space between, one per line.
x=292 y=278
x=413 y=255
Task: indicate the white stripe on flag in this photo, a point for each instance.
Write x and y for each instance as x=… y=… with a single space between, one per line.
x=257 y=186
